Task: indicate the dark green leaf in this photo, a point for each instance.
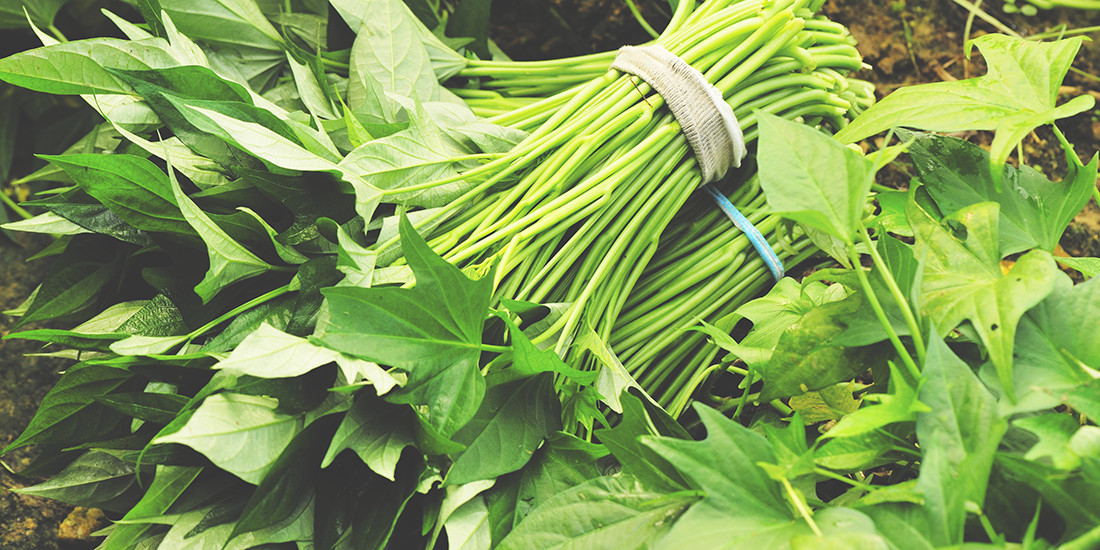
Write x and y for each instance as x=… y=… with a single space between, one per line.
x=958 y=439
x=68 y=338
x=512 y=422
x=606 y=512
x=1075 y=497
x=158 y=408
x=637 y=459
x=376 y=431
x=97 y=479
x=1034 y=211
x=432 y=331
x=471 y=19
x=811 y=355
x=70 y=415
x=740 y=498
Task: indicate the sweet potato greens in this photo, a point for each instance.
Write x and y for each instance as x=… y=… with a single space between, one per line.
x=399 y=291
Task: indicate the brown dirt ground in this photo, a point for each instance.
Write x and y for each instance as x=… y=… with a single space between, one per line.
x=905 y=42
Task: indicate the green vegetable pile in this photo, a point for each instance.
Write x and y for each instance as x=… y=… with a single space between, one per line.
x=402 y=292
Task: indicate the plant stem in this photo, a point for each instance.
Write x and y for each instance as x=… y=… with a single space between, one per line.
x=22 y=212
x=903 y=303
x=881 y=314
x=292 y=286
x=801 y=507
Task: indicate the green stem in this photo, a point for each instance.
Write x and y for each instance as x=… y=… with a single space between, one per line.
x=22 y=212
x=641 y=20
x=881 y=314
x=903 y=304
x=854 y=483
x=56 y=33
x=292 y=286
x=801 y=507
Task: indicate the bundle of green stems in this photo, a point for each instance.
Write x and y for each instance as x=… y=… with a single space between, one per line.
x=589 y=211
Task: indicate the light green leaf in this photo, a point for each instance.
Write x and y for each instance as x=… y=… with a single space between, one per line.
x=961 y=280
x=79 y=67
x=147 y=345
x=831 y=403
x=268 y=352
x=109 y=320
x=258 y=140
x=1089 y=267
x=386 y=46
x=1055 y=431
x=414 y=156
x=958 y=440
x=200 y=529
x=229 y=260
x=468 y=526
x=376 y=431
x=49 y=223
x=811 y=178
x=310 y=91
x=1017 y=94
x=445 y=61
x=233 y=23
x=613 y=378
x=242 y=434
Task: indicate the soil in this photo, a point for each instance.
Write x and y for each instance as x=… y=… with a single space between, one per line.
x=904 y=42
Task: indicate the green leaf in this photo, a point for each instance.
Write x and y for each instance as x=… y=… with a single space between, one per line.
x=193 y=529
x=740 y=498
x=432 y=332
x=229 y=260
x=830 y=403
x=638 y=460
x=468 y=526
x=241 y=434
x=904 y=524
x=444 y=60
x=563 y=462
x=229 y=23
x=899 y=404
x=49 y=223
x=513 y=420
x=811 y=353
x=471 y=19
x=606 y=512
x=41 y=13
x=1034 y=211
x=958 y=440
x=961 y=279
x=1075 y=497
x=1089 y=267
x=529 y=360
x=168 y=484
x=376 y=431
x=1051 y=348
x=413 y=156
x=1055 y=430
x=80 y=67
x=70 y=414
x=255 y=138
x=811 y=178
x=76 y=282
x=69 y=338
x=97 y=479
x=135 y=189
x=159 y=408
x=1016 y=95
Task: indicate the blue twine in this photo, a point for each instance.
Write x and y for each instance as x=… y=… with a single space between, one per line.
x=758 y=241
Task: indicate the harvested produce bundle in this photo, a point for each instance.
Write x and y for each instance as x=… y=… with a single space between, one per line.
x=607 y=168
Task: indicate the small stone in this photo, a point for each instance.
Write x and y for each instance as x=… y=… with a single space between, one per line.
x=81 y=523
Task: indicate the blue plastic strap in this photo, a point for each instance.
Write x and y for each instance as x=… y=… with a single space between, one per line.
x=771 y=259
